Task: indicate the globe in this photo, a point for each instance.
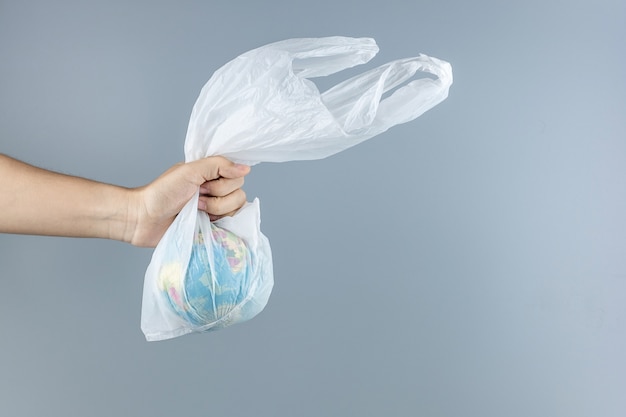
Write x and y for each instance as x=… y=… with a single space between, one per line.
x=206 y=295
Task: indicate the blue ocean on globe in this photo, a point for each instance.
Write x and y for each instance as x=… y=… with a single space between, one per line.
x=203 y=296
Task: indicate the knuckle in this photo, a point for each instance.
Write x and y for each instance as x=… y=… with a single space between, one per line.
x=208 y=188
x=215 y=205
x=223 y=187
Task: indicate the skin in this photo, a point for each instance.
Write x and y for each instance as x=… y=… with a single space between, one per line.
x=41 y=202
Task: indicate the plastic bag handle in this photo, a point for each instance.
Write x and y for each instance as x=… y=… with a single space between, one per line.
x=260 y=107
x=317 y=57
x=357 y=103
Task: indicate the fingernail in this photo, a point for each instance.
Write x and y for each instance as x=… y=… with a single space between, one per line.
x=202 y=205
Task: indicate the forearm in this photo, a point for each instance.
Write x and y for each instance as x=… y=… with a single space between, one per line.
x=36 y=201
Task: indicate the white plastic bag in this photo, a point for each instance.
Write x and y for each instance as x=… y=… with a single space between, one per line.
x=260 y=107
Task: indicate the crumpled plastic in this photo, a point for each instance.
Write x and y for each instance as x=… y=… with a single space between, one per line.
x=263 y=107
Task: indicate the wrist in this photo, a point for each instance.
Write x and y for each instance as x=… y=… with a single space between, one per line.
x=140 y=228
x=124 y=225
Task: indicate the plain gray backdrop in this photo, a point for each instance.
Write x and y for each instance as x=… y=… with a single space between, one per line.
x=469 y=263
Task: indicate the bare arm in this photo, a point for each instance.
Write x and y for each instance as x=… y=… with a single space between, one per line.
x=37 y=201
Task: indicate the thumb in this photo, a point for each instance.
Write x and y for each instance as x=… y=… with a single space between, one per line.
x=215 y=167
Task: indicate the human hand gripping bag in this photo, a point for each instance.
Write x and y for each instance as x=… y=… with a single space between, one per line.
x=263 y=107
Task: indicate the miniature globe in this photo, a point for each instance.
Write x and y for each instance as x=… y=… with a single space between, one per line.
x=206 y=295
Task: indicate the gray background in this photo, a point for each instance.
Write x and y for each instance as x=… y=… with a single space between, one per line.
x=472 y=262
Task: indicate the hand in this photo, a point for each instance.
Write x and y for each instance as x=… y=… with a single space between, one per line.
x=41 y=202
x=157 y=204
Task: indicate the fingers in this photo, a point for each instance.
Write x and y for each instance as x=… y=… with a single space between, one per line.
x=220 y=206
x=220 y=186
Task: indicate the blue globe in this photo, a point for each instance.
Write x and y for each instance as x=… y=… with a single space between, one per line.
x=204 y=296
